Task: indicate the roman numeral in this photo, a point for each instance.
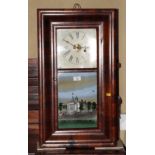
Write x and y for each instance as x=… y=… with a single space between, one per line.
x=71 y=36
x=83 y=36
x=66 y=53
x=77 y=35
x=77 y=60
x=70 y=58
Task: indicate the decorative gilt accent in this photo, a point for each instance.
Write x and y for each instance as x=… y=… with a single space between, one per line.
x=108 y=94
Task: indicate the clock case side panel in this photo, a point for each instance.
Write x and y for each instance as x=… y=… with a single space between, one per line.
x=45 y=74
x=46 y=78
x=115 y=98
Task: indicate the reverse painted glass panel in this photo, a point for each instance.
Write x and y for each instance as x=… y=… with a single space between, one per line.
x=77 y=100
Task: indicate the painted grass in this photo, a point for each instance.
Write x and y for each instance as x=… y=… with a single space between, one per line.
x=78 y=124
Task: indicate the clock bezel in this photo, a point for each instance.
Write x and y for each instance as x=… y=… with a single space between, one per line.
x=80 y=26
x=109 y=133
x=75 y=25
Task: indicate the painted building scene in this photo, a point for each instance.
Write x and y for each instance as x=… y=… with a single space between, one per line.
x=77 y=100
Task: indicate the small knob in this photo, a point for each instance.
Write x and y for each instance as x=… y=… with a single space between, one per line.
x=119 y=65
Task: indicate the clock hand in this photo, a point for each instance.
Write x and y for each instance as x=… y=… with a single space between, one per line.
x=74 y=46
x=85 y=48
x=79 y=47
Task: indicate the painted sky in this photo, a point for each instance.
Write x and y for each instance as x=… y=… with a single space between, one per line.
x=83 y=89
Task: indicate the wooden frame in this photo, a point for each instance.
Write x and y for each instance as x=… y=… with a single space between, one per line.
x=107 y=134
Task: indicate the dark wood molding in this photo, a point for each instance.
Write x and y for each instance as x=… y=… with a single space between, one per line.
x=107 y=134
x=117 y=150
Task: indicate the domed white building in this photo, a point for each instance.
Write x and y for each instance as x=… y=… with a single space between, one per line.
x=73 y=106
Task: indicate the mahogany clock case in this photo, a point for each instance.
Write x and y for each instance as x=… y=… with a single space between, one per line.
x=105 y=22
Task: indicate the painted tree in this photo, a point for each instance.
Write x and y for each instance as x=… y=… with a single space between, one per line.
x=81 y=105
x=89 y=106
x=94 y=105
x=60 y=106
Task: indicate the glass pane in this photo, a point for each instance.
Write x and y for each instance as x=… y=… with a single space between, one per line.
x=77 y=100
x=76 y=48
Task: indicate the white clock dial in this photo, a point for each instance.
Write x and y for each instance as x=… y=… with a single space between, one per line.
x=76 y=48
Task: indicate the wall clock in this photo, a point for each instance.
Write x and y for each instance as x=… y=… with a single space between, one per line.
x=78 y=78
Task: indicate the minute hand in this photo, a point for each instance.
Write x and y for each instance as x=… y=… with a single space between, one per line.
x=68 y=42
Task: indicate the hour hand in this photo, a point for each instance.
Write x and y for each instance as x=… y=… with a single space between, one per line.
x=85 y=48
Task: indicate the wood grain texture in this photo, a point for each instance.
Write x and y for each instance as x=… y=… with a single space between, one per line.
x=33 y=116
x=33 y=137
x=33 y=81
x=33 y=105
x=32 y=68
x=33 y=101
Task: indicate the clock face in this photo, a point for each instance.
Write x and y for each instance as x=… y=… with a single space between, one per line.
x=77 y=48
